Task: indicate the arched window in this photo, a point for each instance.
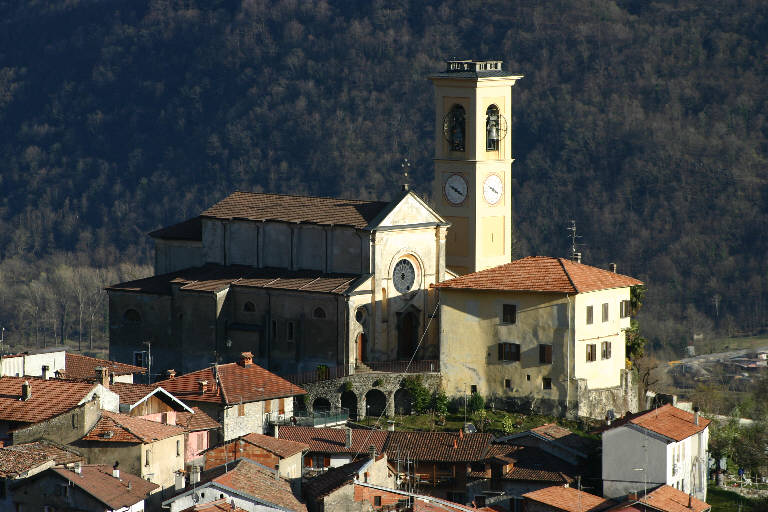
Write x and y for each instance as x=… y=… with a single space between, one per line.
x=131 y=316
x=318 y=312
x=492 y=128
x=249 y=307
x=454 y=128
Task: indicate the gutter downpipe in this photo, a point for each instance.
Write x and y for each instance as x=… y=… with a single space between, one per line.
x=568 y=357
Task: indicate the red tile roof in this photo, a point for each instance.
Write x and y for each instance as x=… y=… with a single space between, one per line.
x=334 y=478
x=49 y=398
x=197 y=421
x=333 y=440
x=532 y=464
x=98 y=481
x=568 y=499
x=84 y=367
x=120 y=428
x=304 y=209
x=670 y=422
x=59 y=454
x=541 y=274
x=14 y=463
x=130 y=393
x=669 y=499
x=281 y=447
x=256 y=480
x=215 y=278
x=235 y=384
x=439 y=446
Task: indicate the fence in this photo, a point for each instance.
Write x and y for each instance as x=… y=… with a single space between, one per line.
x=337 y=372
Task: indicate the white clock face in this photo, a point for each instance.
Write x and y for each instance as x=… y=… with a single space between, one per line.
x=493 y=189
x=456 y=189
x=404 y=276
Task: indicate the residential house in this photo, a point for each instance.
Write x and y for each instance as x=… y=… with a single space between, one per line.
x=242 y=396
x=21 y=461
x=215 y=506
x=548 y=333
x=41 y=364
x=281 y=454
x=558 y=498
x=33 y=408
x=78 y=366
x=47 y=364
x=662 y=446
x=152 y=450
x=199 y=431
x=246 y=484
x=662 y=499
x=333 y=447
x=556 y=440
x=86 y=488
x=334 y=489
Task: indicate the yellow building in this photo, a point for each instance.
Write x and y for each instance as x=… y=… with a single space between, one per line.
x=547 y=333
x=473 y=159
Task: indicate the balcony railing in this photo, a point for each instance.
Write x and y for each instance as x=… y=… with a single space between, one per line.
x=316 y=418
x=322 y=373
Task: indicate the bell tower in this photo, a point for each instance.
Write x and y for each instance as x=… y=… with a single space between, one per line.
x=473 y=160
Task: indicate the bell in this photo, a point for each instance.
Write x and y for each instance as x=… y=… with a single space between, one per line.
x=493 y=132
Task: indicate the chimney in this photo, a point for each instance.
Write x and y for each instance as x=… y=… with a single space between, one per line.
x=246 y=359
x=372 y=451
x=632 y=496
x=577 y=257
x=78 y=468
x=115 y=471
x=102 y=376
x=348 y=442
x=46 y=369
x=171 y=374
x=277 y=471
x=695 y=415
x=277 y=431
x=179 y=484
x=194 y=475
x=612 y=267
x=203 y=385
x=26 y=391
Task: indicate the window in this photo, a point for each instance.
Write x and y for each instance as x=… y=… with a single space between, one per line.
x=267 y=406
x=546 y=383
x=492 y=128
x=249 y=307
x=624 y=309
x=507 y=383
x=131 y=317
x=147 y=457
x=591 y=352
x=605 y=350
x=589 y=315
x=454 y=128
x=140 y=358
x=178 y=447
x=528 y=377
x=289 y=331
x=605 y=312
x=377 y=501
x=545 y=354
x=320 y=313
x=509 y=351
x=473 y=389
x=509 y=314
x=241 y=409
x=281 y=406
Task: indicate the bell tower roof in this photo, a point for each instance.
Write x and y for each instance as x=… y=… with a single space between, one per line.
x=455 y=68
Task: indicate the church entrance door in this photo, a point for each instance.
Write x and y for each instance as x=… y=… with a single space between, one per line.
x=362 y=341
x=407 y=334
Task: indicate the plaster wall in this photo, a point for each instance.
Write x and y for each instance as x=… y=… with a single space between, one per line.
x=601 y=373
x=166 y=457
x=242 y=243
x=631 y=459
x=32 y=364
x=209 y=492
x=172 y=255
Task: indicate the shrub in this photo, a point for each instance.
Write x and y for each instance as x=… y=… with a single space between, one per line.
x=347 y=386
x=420 y=394
x=475 y=402
x=440 y=403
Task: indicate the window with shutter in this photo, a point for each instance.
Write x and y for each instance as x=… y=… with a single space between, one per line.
x=589 y=315
x=509 y=351
x=281 y=406
x=267 y=406
x=605 y=350
x=591 y=352
x=509 y=314
x=546 y=383
x=545 y=354
x=605 y=312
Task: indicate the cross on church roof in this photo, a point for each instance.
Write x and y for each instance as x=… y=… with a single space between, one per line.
x=405 y=165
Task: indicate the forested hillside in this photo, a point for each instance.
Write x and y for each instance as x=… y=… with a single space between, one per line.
x=644 y=122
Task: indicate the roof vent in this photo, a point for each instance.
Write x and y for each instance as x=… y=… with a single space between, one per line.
x=108 y=434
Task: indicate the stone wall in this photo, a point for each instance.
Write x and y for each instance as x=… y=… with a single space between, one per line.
x=64 y=428
x=360 y=384
x=595 y=403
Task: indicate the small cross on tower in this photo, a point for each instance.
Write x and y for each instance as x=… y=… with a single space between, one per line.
x=405 y=165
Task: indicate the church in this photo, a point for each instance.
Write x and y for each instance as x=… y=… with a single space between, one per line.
x=341 y=285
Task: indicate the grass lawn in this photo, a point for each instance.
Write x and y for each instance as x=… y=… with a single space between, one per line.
x=728 y=501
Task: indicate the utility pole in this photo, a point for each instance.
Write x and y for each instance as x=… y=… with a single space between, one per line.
x=149 y=361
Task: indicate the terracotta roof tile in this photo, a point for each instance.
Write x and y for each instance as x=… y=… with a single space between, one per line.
x=14 y=463
x=84 y=367
x=333 y=440
x=333 y=478
x=214 y=506
x=197 y=421
x=541 y=274
x=214 y=278
x=439 y=446
x=121 y=428
x=256 y=480
x=130 y=393
x=533 y=464
x=98 y=481
x=235 y=383
x=282 y=447
x=670 y=422
x=59 y=454
x=304 y=209
x=191 y=230
x=568 y=499
x=669 y=499
x=49 y=398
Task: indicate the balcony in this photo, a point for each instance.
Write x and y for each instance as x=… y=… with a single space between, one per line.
x=323 y=372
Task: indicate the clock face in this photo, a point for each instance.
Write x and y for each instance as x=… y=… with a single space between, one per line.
x=493 y=188
x=404 y=276
x=456 y=189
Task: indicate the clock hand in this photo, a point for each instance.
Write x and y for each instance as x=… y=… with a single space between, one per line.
x=457 y=190
x=494 y=190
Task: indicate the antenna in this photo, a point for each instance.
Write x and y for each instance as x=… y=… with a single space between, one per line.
x=405 y=166
x=575 y=256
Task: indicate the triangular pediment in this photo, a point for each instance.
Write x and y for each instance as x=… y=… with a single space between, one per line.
x=407 y=210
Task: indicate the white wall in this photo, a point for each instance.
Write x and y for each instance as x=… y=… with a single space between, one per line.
x=212 y=492
x=32 y=364
x=630 y=459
